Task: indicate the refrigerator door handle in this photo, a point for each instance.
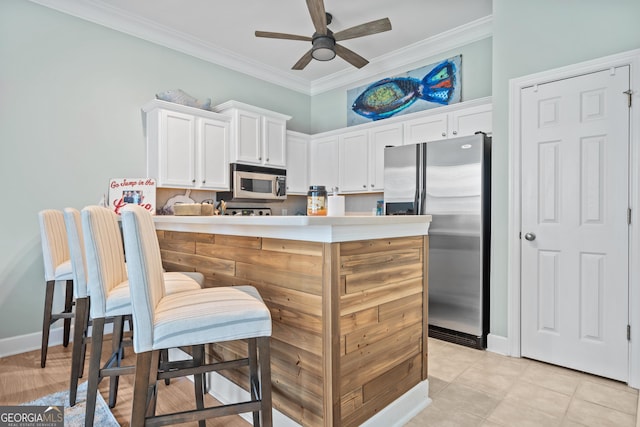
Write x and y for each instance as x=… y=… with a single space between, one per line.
x=417 y=200
x=422 y=162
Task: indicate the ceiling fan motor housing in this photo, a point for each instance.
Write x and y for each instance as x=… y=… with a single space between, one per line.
x=324 y=46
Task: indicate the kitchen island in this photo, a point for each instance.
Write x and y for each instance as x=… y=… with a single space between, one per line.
x=348 y=299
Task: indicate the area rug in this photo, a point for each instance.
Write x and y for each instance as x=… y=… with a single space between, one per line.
x=74 y=416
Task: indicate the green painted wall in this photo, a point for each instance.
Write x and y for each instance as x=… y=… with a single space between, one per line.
x=71 y=91
x=70 y=98
x=529 y=37
x=329 y=109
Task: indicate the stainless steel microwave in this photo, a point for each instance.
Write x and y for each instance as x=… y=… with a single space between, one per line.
x=256 y=183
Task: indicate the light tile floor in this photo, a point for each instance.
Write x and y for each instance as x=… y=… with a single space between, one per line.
x=479 y=388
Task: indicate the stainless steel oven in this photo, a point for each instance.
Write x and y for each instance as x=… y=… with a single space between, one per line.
x=256 y=183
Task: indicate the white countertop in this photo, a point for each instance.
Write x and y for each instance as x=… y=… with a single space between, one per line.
x=308 y=228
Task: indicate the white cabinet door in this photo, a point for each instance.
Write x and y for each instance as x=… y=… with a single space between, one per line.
x=323 y=160
x=177 y=150
x=213 y=154
x=187 y=147
x=428 y=128
x=380 y=137
x=274 y=144
x=297 y=163
x=258 y=136
x=353 y=175
x=360 y=153
x=247 y=137
x=468 y=121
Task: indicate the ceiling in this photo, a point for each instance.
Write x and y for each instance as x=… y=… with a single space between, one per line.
x=224 y=33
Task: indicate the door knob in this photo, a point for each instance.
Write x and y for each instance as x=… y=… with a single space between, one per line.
x=530 y=236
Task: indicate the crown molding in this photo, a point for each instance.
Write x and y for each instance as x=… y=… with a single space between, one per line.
x=100 y=13
x=399 y=60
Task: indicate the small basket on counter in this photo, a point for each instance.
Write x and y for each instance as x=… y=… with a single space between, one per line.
x=193 y=209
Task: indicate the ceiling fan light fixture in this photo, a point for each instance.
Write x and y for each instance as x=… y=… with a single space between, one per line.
x=323 y=48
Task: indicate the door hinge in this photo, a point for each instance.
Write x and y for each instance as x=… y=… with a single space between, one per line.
x=628 y=93
x=629 y=216
x=628 y=332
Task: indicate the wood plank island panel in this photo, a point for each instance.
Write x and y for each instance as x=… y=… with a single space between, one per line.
x=349 y=327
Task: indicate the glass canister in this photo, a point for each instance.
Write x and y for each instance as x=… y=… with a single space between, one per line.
x=317 y=200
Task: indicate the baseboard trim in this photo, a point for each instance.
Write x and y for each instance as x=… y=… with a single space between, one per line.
x=29 y=342
x=498 y=344
x=396 y=414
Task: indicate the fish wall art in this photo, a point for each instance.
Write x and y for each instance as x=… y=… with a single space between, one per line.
x=420 y=89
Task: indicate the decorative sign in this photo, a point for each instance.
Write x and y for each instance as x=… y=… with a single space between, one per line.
x=141 y=191
x=420 y=89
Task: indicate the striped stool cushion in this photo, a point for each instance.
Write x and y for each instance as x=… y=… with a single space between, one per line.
x=210 y=315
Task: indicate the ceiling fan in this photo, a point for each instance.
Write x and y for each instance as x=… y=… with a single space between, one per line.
x=323 y=41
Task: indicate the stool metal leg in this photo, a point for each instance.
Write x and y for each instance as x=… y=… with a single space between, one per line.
x=46 y=321
x=254 y=381
x=68 y=308
x=264 y=351
x=97 y=334
x=142 y=389
x=77 y=353
x=198 y=359
x=116 y=351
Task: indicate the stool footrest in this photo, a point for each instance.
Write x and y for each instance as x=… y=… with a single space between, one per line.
x=203 y=414
x=182 y=368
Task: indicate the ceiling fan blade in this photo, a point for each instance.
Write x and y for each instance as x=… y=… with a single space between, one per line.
x=271 y=35
x=318 y=15
x=361 y=30
x=303 y=62
x=350 y=56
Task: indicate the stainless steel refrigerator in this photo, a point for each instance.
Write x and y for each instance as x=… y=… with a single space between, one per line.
x=450 y=180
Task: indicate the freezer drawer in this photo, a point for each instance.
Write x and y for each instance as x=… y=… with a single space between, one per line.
x=455 y=293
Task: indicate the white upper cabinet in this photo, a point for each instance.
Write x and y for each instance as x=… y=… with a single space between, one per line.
x=212 y=150
x=258 y=136
x=297 y=163
x=379 y=138
x=359 y=151
x=186 y=147
x=427 y=128
x=457 y=122
x=362 y=157
x=470 y=120
x=323 y=162
x=274 y=151
x=353 y=174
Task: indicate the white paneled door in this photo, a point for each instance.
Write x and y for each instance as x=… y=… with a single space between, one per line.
x=574 y=216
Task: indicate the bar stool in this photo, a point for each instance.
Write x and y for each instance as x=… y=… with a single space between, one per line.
x=108 y=288
x=191 y=318
x=82 y=322
x=57 y=268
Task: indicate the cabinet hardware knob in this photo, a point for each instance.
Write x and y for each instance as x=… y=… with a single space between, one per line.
x=267 y=159
x=193 y=181
x=364 y=185
x=260 y=158
x=455 y=132
x=203 y=181
x=444 y=134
